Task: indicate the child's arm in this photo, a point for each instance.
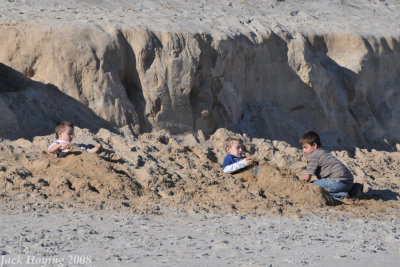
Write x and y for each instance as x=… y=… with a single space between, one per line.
x=54 y=148
x=238 y=165
x=312 y=166
x=308 y=178
x=95 y=149
x=87 y=149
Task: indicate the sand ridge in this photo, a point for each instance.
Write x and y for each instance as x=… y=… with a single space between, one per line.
x=140 y=173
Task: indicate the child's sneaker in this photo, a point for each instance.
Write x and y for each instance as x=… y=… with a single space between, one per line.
x=339 y=195
x=356 y=190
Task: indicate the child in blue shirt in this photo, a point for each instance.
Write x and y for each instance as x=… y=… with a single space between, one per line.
x=234 y=161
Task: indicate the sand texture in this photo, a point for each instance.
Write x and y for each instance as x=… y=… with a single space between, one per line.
x=184 y=172
x=161 y=199
x=270 y=69
x=160 y=85
x=118 y=239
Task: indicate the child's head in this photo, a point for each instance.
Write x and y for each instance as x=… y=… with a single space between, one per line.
x=234 y=146
x=65 y=131
x=310 y=142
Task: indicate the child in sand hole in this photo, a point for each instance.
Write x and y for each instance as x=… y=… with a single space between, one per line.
x=234 y=160
x=65 y=133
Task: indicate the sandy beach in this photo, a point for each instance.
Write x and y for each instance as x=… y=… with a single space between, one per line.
x=160 y=85
x=56 y=225
x=176 y=239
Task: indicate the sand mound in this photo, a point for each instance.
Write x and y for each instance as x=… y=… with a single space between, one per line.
x=269 y=191
x=283 y=186
x=78 y=178
x=107 y=180
x=140 y=173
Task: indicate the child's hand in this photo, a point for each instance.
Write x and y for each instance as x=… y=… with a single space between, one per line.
x=64 y=146
x=249 y=161
x=96 y=148
x=306 y=178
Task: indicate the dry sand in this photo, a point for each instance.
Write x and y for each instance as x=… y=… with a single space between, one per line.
x=175 y=239
x=223 y=17
x=137 y=173
x=161 y=199
x=158 y=199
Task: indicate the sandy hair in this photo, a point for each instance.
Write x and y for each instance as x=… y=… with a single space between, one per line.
x=62 y=126
x=231 y=140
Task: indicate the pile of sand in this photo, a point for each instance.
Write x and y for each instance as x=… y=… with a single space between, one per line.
x=78 y=178
x=141 y=173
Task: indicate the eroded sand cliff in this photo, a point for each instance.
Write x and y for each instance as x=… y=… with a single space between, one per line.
x=260 y=77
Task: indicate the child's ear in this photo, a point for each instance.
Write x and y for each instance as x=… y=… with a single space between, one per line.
x=227 y=149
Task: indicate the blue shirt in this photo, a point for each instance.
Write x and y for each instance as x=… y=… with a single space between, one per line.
x=232 y=164
x=229 y=159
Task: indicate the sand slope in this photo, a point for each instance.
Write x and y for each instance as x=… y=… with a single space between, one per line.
x=137 y=174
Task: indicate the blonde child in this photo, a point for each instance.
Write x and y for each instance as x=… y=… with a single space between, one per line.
x=234 y=160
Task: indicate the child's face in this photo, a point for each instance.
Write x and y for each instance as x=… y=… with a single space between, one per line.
x=308 y=149
x=235 y=149
x=67 y=134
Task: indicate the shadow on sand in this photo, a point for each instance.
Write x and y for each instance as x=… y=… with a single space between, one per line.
x=385 y=194
x=29 y=108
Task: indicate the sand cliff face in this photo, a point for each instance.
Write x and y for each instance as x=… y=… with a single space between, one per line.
x=274 y=85
x=265 y=82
